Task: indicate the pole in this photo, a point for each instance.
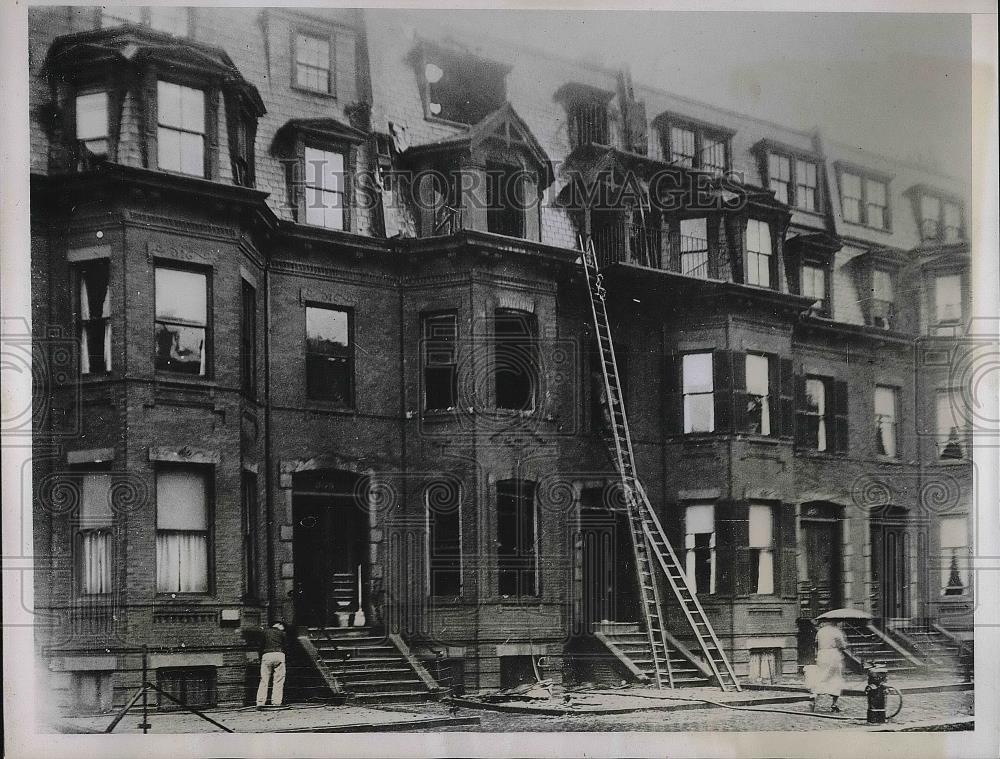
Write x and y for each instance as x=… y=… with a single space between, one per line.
x=145 y=690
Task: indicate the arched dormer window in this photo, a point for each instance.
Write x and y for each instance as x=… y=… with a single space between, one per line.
x=137 y=96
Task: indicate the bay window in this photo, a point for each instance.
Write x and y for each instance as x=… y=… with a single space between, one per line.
x=516 y=370
x=698 y=392
x=181 y=320
x=95 y=316
x=517 y=538
x=813 y=416
x=950 y=438
x=699 y=547
x=182 y=534
x=96 y=537
x=758 y=374
x=180 y=133
x=885 y=420
x=440 y=361
x=324 y=188
x=759 y=254
x=761 y=549
x=444 y=539
x=92 y=123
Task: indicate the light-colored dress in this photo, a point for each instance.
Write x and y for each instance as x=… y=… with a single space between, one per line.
x=827 y=677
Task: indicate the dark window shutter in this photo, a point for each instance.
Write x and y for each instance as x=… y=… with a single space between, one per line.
x=841 y=436
x=672 y=399
x=785 y=411
x=774 y=394
x=674 y=247
x=672 y=521
x=149 y=106
x=787 y=548
x=722 y=386
x=212 y=133
x=743 y=563
x=801 y=418
x=725 y=536
x=741 y=420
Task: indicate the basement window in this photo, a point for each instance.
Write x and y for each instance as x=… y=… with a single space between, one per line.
x=92 y=692
x=193 y=686
x=95 y=317
x=699 y=547
x=516 y=670
x=440 y=362
x=517 y=536
x=515 y=360
x=329 y=355
x=461 y=87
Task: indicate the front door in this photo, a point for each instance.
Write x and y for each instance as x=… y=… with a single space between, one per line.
x=820 y=589
x=890 y=565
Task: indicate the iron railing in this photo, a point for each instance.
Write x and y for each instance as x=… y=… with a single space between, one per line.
x=629 y=243
x=588 y=125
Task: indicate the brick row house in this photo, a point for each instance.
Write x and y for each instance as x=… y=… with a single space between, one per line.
x=315 y=274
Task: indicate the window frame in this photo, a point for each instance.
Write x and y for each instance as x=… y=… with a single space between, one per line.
x=430 y=546
x=794 y=158
x=948 y=327
x=81 y=530
x=429 y=53
x=531 y=341
x=330 y=36
x=824 y=416
x=944 y=440
x=819 y=266
x=88 y=91
x=295 y=177
x=250 y=534
x=940 y=235
x=896 y=398
x=184 y=674
x=427 y=318
x=207 y=473
x=534 y=570
x=767 y=408
x=209 y=159
x=771 y=256
x=209 y=355
x=965 y=570
x=864 y=177
x=78 y=280
x=710 y=393
x=248 y=338
x=350 y=403
x=690 y=548
x=772 y=548
x=703 y=133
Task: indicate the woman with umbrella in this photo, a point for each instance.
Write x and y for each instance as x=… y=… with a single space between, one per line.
x=827 y=677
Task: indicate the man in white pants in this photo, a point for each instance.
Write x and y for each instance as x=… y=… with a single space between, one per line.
x=272 y=665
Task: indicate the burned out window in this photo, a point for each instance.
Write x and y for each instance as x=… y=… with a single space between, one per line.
x=505 y=199
x=181 y=320
x=699 y=547
x=440 y=354
x=517 y=538
x=94 y=306
x=689 y=143
x=444 y=537
x=329 y=355
x=515 y=359
x=588 y=123
x=460 y=87
x=694 y=247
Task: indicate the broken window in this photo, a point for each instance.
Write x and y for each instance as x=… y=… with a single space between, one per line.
x=248 y=501
x=517 y=531
x=885 y=420
x=181 y=128
x=714 y=154
x=248 y=339
x=761 y=544
x=515 y=360
x=758 y=373
x=92 y=123
x=759 y=254
x=96 y=538
x=588 y=123
x=460 y=87
x=95 y=317
x=955 y=555
x=440 y=349
x=329 y=355
x=699 y=404
x=313 y=62
x=181 y=320
x=682 y=150
x=699 y=547
x=505 y=199
x=444 y=537
x=181 y=531
x=694 y=247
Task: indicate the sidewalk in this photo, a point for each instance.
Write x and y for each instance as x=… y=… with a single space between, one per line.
x=311 y=718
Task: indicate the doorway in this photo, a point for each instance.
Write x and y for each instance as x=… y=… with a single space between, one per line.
x=608 y=583
x=330 y=547
x=821 y=587
x=890 y=542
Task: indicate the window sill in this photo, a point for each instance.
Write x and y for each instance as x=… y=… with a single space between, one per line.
x=863 y=225
x=810 y=453
x=772 y=440
x=309 y=91
x=169 y=378
x=444 y=415
x=889 y=460
x=329 y=406
x=445 y=600
x=176 y=599
x=952 y=462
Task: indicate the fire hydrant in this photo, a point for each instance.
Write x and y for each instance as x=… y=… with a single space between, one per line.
x=875 y=690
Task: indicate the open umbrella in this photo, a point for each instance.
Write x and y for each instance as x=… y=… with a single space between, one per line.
x=845 y=614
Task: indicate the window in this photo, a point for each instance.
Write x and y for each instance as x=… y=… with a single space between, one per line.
x=951 y=444
x=92 y=123
x=460 y=87
x=864 y=200
x=779 y=176
x=440 y=348
x=762 y=548
x=885 y=421
x=814 y=284
x=181 y=531
x=180 y=134
x=940 y=219
x=699 y=408
x=948 y=302
x=193 y=686
x=95 y=317
x=759 y=253
x=162 y=18
x=758 y=369
x=883 y=308
x=96 y=537
x=517 y=536
x=699 y=547
x=444 y=537
x=588 y=123
x=505 y=199
x=765 y=666
x=248 y=339
x=329 y=355
x=955 y=555
x=694 y=247
x=181 y=320
x=805 y=185
x=690 y=144
x=813 y=415
x=92 y=692
x=324 y=188
x=313 y=63
x=515 y=360
x=248 y=500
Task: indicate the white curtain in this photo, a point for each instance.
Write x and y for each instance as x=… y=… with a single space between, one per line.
x=84 y=316
x=764 y=666
x=96 y=561
x=181 y=562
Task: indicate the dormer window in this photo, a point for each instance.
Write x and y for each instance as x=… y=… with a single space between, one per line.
x=883 y=309
x=760 y=254
x=864 y=198
x=313 y=63
x=793 y=178
x=940 y=219
x=814 y=282
x=587 y=114
x=180 y=134
x=460 y=87
x=691 y=144
x=92 y=123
